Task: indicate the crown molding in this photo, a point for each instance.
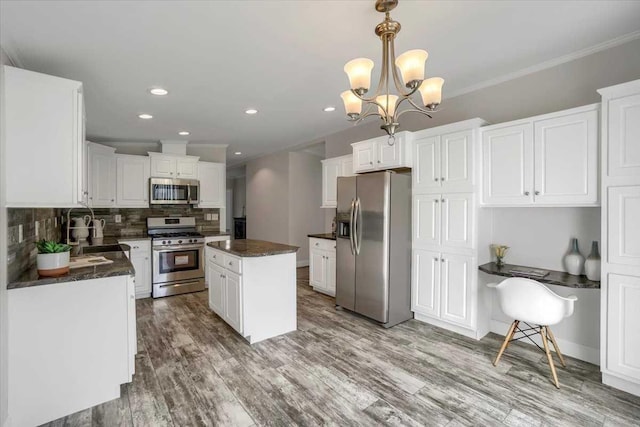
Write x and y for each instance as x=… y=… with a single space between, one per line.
x=548 y=64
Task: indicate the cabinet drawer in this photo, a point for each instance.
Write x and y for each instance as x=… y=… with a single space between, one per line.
x=233 y=263
x=322 y=244
x=138 y=247
x=216 y=256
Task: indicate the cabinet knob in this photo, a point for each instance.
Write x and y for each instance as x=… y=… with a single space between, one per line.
x=113 y=200
x=537 y=193
x=136 y=247
x=442 y=200
x=442 y=178
x=230 y=263
x=90 y=198
x=170 y=173
x=132 y=297
x=435 y=179
x=370 y=163
x=435 y=258
x=317 y=244
x=526 y=193
x=214 y=256
x=378 y=161
x=441 y=259
x=436 y=201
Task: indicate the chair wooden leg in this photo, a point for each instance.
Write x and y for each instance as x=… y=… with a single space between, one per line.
x=543 y=334
x=507 y=338
x=555 y=346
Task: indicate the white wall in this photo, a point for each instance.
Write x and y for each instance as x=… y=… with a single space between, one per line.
x=3 y=256
x=539 y=237
x=305 y=192
x=268 y=198
x=207 y=152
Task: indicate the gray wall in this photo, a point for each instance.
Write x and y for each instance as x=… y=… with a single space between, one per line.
x=305 y=192
x=207 y=153
x=268 y=198
x=3 y=256
x=239 y=196
x=564 y=86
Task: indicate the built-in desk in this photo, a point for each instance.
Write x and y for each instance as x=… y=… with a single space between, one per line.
x=559 y=278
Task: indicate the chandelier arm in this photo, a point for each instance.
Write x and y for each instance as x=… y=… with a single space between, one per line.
x=396 y=79
x=412 y=110
x=398 y=104
x=412 y=102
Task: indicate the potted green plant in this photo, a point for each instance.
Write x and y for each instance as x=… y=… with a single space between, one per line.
x=53 y=258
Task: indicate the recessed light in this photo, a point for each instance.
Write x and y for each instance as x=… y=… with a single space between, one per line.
x=237 y=153
x=251 y=111
x=329 y=109
x=145 y=116
x=184 y=133
x=158 y=91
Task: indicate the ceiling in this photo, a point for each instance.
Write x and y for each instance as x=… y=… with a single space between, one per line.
x=284 y=58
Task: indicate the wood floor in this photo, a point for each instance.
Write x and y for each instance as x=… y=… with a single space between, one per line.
x=338 y=369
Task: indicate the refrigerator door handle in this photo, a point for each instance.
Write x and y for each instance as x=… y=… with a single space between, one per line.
x=351 y=224
x=358 y=228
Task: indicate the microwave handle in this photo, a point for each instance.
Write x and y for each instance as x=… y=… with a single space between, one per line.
x=188 y=194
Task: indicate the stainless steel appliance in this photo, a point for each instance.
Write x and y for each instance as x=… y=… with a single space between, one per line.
x=373 y=246
x=178 y=256
x=170 y=191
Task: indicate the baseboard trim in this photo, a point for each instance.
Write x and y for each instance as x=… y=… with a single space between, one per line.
x=303 y=263
x=621 y=384
x=470 y=333
x=579 y=351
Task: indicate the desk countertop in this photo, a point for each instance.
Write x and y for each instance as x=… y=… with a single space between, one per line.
x=559 y=278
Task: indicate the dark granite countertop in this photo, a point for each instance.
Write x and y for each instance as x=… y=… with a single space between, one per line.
x=559 y=278
x=252 y=248
x=328 y=236
x=120 y=267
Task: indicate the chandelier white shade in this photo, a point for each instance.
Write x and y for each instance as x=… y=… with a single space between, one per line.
x=407 y=72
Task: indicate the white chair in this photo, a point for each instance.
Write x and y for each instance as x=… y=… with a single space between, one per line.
x=532 y=303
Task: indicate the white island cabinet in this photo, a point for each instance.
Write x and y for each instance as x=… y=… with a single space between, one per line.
x=71 y=343
x=252 y=286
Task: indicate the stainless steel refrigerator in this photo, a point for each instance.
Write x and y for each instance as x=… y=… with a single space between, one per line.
x=373 y=246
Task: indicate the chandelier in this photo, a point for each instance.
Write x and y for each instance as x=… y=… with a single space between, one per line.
x=383 y=103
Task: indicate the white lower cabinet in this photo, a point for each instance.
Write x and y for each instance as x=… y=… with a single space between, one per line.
x=140 y=257
x=233 y=300
x=443 y=287
x=322 y=265
x=225 y=288
x=215 y=280
x=623 y=325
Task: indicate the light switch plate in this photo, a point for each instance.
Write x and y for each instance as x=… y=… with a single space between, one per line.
x=214 y=217
x=20 y=233
x=117 y=218
x=37 y=228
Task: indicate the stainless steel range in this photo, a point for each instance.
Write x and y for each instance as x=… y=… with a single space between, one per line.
x=178 y=256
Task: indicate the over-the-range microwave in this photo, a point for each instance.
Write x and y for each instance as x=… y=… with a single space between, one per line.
x=174 y=191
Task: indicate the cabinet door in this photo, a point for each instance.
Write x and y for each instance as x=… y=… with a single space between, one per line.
x=330 y=272
x=457 y=289
x=425 y=283
x=163 y=167
x=102 y=179
x=457 y=220
x=566 y=159
x=317 y=269
x=426 y=169
x=388 y=156
x=233 y=300
x=624 y=136
x=508 y=165
x=132 y=337
x=44 y=132
x=457 y=161
x=187 y=169
x=132 y=179
x=212 y=179
x=330 y=173
x=215 y=277
x=624 y=225
x=426 y=220
x=364 y=156
x=346 y=166
x=142 y=266
x=623 y=325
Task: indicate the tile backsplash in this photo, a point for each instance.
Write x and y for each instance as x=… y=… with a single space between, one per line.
x=22 y=255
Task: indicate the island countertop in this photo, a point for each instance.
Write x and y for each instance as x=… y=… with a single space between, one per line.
x=119 y=267
x=252 y=248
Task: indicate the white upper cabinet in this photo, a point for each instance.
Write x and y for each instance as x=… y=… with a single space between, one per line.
x=331 y=170
x=549 y=160
x=443 y=162
x=212 y=177
x=624 y=136
x=44 y=133
x=508 y=165
x=173 y=166
x=378 y=154
x=132 y=180
x=101 y=175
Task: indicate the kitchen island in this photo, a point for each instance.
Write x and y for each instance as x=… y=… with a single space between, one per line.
x=252 y=286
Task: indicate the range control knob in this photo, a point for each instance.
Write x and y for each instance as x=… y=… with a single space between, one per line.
x=179 y=241
x=164 y=242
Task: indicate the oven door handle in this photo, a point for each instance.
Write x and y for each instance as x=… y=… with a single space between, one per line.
x=176 y=248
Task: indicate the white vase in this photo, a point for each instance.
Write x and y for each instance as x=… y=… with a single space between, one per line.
x=53 y=264
x=574 y=261
x=592 y=264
